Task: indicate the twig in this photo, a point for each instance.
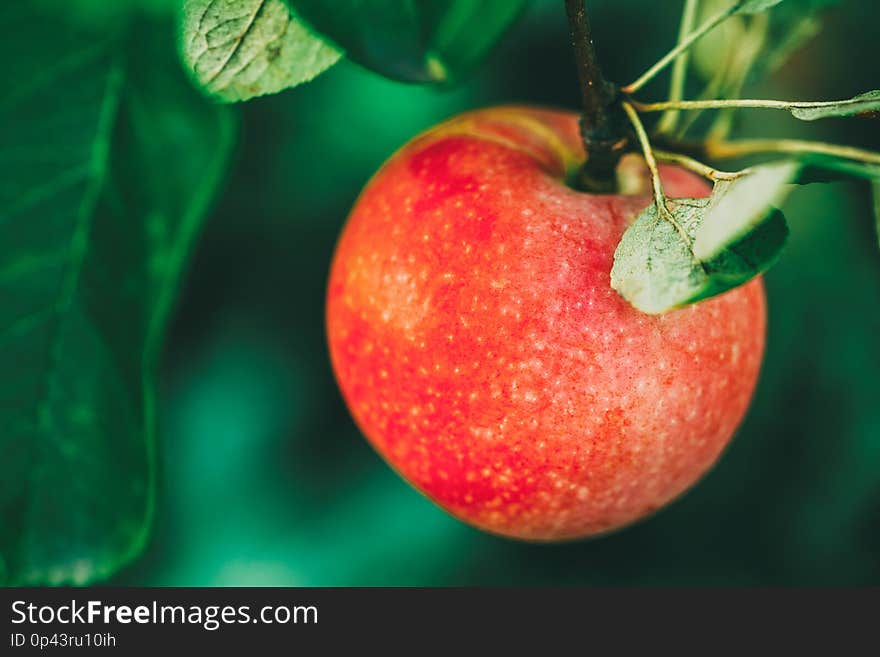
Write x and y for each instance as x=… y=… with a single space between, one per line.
x=669 y=120
x=667 y=59
x=742 y=147
x=755 y=103
x=698 y=167
x=602 y=142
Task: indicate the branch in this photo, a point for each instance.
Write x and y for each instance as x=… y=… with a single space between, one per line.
x=742 y=147
x=698 y=167
x=669 y=120
x=603 y=141
x=755 y=103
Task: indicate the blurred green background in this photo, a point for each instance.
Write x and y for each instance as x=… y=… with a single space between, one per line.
x=265 y=480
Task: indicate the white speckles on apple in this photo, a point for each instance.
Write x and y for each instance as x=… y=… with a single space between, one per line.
x=734 y=353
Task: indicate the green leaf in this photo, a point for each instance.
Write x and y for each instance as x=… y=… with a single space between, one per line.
x=790 y=27
x=739 y=206
x=107 y=168
x=827 y=168
x=865 y=103
x=103 y=15
x=732 y=48
x=238 y=49
x=727 y=52
x=413 y=41
x=655 y=268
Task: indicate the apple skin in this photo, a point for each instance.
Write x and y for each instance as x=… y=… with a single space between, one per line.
x=480 y=347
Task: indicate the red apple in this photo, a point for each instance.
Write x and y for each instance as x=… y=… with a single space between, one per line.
x=481 y=349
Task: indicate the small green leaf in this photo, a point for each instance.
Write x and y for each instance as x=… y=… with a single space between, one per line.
x=727 y=52
x=413 y=41
x=106 y=172
x=731 y=50
x=738 y=206
x=862 y=104
x=655 y=268
x=756 y=6
x=238 y=49
x=791 y=25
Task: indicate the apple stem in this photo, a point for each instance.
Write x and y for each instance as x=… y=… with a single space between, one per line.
x=604 y=138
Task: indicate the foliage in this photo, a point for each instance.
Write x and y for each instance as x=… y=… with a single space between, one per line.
x=435 y=41
x=110 y=161
x=239 y=50
x=659 y=265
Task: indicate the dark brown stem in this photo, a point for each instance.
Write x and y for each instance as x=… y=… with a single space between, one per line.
x=602 y=130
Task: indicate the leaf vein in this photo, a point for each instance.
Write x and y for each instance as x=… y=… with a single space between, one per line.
x=31 y=197
x=239 y=42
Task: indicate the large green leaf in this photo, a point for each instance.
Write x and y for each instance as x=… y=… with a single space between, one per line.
x=107 y=168
x=246 y=48
x=415 y=41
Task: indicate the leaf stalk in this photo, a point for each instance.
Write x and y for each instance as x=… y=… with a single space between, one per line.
x=669 y=121
x=682 y=46
x=754 y=103
x=651 y=161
